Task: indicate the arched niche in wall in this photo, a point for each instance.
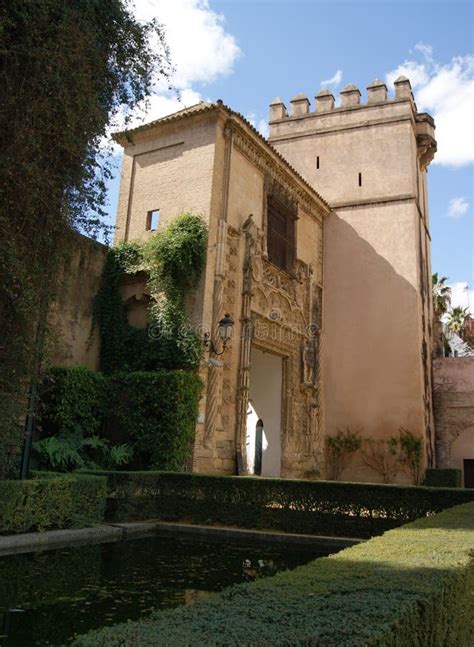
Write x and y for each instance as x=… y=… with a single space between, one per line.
x=136 y=310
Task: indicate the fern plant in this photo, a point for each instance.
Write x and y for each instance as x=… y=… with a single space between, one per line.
x=69 y=451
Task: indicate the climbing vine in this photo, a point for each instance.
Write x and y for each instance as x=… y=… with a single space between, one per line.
x=173 y=259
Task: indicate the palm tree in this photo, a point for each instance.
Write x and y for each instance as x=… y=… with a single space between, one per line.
x=457 y=320
x=441 y=295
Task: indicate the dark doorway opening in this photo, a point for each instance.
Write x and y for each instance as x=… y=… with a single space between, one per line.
x=469 y=472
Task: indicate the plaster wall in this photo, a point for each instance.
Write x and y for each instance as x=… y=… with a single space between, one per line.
x=343 y=154
x=453 y=379
x=155 y=168
x=73 y=341
x=376 y=340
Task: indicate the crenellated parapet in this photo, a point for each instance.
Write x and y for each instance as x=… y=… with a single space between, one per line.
x=353 y=111
x=350 y=98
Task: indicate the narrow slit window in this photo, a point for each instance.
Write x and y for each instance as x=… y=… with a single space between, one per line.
x=152 y=220
x=360 y=179
x=317 y=162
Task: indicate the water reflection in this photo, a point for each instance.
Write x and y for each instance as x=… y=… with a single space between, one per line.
x=48 y=597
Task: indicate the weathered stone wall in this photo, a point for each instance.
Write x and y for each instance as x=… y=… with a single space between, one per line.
x=453 y=379
x=369 y=161
x=272 y=310
x=170 y=170
x=72 y=340
x=211 y=162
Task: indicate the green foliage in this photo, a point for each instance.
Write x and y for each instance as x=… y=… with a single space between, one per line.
x=441 y=295
x=173 y=259
x=88 y=416
x=339 y=449
x=176 y=256
x=52 y=501
x=443 y=477
x=71 y=66
x=156 y=412
x=332 y=508
x=456 y=319
x=410 y=587
x=411 y=453
x=73 y=398
x=387 y=456
x=69 y=451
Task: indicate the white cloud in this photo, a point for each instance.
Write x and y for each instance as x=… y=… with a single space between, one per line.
x=462 y=295
x=457 y=207
x=201 y=51
x=447 y=92
x=334 y=80
x=263 y=128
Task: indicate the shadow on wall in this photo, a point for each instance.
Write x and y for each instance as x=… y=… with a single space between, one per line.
x=372 y=346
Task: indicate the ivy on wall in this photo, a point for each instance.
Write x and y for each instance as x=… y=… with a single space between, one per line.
x=173 y=259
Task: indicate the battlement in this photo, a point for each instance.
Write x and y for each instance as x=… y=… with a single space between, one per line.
x=350 y=98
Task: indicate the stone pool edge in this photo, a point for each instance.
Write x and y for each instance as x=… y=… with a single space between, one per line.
x=51 y=539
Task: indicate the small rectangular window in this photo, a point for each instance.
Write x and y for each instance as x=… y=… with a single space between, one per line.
x=317 y=162
x=360 y=179
x=152 y=220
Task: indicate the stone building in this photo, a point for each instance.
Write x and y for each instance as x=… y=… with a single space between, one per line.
x=369 y=160
x=453 y=397
x=331 y=297
x=264 y=268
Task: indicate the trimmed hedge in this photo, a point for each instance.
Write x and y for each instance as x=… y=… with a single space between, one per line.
x=72 y=398
x=52 y=501
x=410 y=587
x=443 y=477
x=320 y=507
x=156 y=413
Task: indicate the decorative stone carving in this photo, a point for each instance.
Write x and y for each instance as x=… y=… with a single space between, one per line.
x=281 y=314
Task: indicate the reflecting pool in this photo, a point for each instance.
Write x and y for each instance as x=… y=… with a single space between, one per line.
x=48 y=597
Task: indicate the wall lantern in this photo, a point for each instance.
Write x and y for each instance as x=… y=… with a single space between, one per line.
x=225 y=328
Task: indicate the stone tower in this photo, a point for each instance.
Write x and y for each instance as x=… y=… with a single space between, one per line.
x=369 y=161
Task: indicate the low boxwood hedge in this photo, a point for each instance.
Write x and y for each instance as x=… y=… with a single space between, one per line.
x=52 y=501
x=412 y=586
x=435 y=477
x=320 y=507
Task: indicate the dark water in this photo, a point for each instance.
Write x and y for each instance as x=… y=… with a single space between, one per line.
x=48 y=597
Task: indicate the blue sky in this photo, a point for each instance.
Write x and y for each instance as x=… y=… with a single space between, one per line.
x=248 y=52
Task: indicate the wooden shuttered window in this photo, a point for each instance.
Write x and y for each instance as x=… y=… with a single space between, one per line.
x=281 y=234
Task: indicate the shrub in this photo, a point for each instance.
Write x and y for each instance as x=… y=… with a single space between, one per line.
x=70 y=451
x=152 y=414
x=443 y=477
x=319 y=507
x=339 y=449
x=52 y=501
x=173 y=261
x=156 y=411
x=409 y=587
x=382 y=457
x=73 y=398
